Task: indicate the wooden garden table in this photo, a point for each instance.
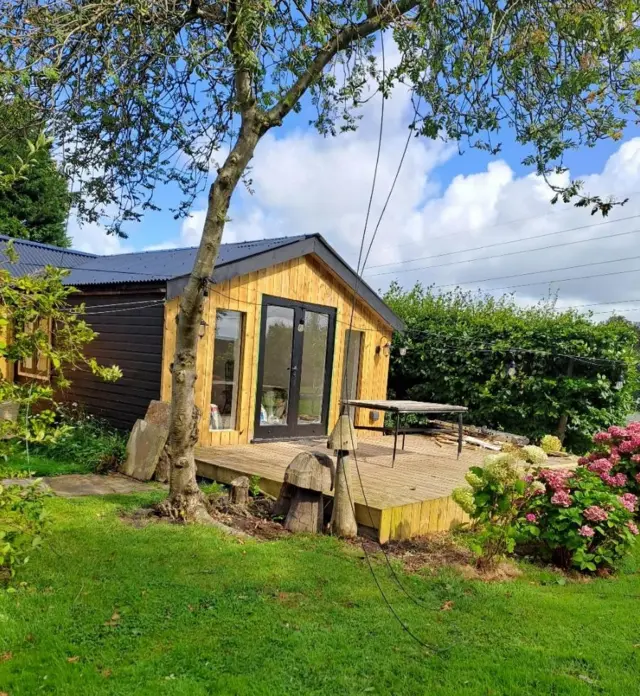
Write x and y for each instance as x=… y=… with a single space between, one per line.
x=400 y=407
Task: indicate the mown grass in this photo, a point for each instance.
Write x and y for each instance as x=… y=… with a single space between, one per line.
x=109 y=608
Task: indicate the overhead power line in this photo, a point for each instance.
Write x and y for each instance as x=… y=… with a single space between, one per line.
x=508 y=253
x=560 y=280
x=502 y=243
x=544 y=270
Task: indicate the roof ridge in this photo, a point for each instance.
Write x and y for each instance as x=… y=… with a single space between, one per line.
x=189 y=248
x=41 y=245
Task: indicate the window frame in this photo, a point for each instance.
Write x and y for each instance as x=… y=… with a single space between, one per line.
x=44 y=373
x=239 y=354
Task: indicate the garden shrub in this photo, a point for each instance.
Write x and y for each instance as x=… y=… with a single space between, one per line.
x=86 y=439
x=23 y=523
x=508 y=364
x=551 y=443
x=569 y=517
x=616 y=458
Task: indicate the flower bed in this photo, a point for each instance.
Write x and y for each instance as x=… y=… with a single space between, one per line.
x=574 y=518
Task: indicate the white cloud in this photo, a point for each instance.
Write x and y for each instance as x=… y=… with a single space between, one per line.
x=93 y=238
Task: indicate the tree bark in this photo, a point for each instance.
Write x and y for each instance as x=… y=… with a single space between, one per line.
x=185 y=498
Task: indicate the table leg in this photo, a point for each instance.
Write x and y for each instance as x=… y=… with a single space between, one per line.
x=459 y=435
x=395 y=440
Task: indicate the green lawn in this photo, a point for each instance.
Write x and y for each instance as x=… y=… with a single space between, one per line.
x=40 y=465
x=114 y=609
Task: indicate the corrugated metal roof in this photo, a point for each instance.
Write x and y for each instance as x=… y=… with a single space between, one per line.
x=164 y=264
x=32 y=256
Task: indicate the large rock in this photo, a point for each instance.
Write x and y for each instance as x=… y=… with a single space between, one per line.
x=144 y=449
x=159 y=413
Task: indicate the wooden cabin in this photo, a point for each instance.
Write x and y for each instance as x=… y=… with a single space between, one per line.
x=272 y=366
x=272 y=361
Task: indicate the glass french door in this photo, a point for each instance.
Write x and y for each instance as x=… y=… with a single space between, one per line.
x=294 y=369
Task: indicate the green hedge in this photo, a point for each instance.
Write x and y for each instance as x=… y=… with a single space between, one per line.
x=461 y=346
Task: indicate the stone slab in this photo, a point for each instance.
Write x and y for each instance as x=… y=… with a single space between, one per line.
x=144 y=449
x=159 y=413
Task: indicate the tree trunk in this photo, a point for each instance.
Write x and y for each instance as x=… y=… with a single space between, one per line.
x=343 y=518
x=185 y=498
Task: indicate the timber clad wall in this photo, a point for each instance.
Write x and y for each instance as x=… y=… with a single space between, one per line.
x=131 y=339
x=304 y=279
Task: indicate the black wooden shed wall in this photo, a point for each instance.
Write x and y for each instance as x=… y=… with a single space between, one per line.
x=130 y=336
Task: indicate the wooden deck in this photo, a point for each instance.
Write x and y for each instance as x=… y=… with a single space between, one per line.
x=410 y=499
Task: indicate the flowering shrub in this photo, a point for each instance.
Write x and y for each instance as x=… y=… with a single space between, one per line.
x=494 y=502
x=571 y=517
x=616 y=458
x=551 y=443
x=579 y=521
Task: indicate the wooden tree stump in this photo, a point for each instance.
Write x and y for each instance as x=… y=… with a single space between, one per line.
x=301 y=494
x=240 y=491
x=343 y=440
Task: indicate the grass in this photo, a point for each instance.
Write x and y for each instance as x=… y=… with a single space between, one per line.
x=109 y=608
x=41 y=465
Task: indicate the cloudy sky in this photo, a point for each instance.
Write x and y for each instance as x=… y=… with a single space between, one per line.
x=444 y=203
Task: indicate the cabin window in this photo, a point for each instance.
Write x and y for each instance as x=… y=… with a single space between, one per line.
x=227 y=361
x=36 y=366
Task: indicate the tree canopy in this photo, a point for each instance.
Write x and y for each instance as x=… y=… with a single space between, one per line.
x=36 y=206
x=146 y=93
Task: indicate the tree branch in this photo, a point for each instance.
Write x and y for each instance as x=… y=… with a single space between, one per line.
x=341 y=40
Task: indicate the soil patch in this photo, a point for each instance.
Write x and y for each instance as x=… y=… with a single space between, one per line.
x=254 y=519
x=436 y=551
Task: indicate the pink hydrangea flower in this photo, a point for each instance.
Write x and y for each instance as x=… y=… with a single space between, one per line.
x=636 y=458
x=594 y=513
x=561 y=498
x=557 y=479
x=629 y=446
x=633 y=528
x=583 y=461
x=629 y=501
x=637 y=477
x=531 y=517
x=602 y=437
x=616 y=481
x=586 y=531
x=617 y=431
x=600 y=466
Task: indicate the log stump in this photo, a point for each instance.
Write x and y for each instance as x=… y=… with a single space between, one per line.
x=301 y=497
x=240 y=491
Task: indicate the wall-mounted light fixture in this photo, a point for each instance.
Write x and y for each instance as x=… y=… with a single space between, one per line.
x=203 y=328
x=384 y=348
